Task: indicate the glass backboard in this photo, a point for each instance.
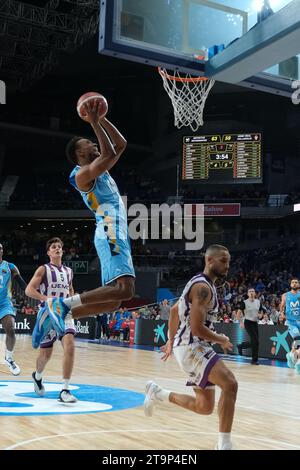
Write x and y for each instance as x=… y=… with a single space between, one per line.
x=179 y=34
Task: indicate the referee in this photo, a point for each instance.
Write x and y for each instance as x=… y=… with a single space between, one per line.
x=251 y=308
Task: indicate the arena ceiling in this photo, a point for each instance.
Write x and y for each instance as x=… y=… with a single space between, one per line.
x=34 y=33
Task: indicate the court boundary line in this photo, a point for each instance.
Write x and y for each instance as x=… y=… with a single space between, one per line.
x=240 y=436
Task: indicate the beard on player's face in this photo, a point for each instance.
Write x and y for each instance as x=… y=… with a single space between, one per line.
x=92 y=153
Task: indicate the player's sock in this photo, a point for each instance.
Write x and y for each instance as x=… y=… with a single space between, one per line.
x=73 y=302
x=162 y=394
x=38 y=375
x=66 y=384
x=224 y=442
x=9 y=355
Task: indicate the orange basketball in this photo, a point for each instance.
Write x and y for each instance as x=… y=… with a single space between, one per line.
x=92 y=96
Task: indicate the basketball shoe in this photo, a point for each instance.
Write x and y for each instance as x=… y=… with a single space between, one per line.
x=291 y=360
x=66 y=396
x=13 y=367
x=38 y=386
x=150 y=399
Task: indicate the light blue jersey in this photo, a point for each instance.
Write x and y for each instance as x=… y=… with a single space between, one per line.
x=292 y=312
x=6 y=307
x=111 y=236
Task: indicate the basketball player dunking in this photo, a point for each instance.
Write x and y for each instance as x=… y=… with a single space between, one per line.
x=101 y=195
x=191 y=333
x=290 y=308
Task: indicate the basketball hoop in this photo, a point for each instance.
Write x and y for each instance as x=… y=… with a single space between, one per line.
x=188 y=95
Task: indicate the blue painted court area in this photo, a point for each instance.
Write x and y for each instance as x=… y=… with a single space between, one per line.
x=18 y=398
x=229 y=358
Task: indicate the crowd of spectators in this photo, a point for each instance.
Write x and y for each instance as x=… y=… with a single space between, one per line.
x=23 y=305
x=55 y=192
x=30 y=246
x=231 y=298
x=116 y=325
x=37 y=192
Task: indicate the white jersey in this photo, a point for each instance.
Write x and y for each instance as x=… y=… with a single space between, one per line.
x=252 y=307
x=184 y=335
x=56 y=281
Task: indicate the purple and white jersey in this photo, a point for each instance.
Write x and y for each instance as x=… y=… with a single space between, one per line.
x=56 y=281
x=184 y=335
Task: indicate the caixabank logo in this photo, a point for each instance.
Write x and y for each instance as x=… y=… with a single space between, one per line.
x=17 y=398
x=82 y=328
x=22 y=326
x=159 y=334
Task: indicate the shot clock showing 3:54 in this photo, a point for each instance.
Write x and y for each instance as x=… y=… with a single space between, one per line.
x=222 y=158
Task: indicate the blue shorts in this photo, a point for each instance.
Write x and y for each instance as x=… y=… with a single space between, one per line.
x=6 y=308
x=51 y=336
x=294 y=328
x=115 y=259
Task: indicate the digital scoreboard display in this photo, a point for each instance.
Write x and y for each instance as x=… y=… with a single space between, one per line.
x=222 y=159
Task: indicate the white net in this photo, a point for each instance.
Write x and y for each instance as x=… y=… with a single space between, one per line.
x=188 y=95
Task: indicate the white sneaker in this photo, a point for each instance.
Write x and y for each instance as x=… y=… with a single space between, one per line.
x=13 y=367
x=150 y=399
x=228 y=448
x=66 y=396
x=291 y=359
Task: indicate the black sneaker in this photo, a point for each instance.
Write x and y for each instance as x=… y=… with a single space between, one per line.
x=66 y=396
x=38 y=386
x=240 y=349
x=255 y=363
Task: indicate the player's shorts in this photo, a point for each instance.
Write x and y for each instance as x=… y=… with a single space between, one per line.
x=50 y=338
x=197 y=360
x=6 y=308
x=115 y=259
x=294 y=328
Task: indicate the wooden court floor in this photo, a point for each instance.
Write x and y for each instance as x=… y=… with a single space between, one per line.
x=266 y=413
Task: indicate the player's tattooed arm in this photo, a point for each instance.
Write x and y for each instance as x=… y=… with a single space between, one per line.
x=203 y=293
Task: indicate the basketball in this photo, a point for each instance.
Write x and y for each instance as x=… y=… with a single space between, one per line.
x=92 y=96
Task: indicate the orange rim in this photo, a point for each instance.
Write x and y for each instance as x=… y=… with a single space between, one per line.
x=181 y=79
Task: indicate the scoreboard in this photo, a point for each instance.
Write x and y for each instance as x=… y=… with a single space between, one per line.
x=226 y=159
